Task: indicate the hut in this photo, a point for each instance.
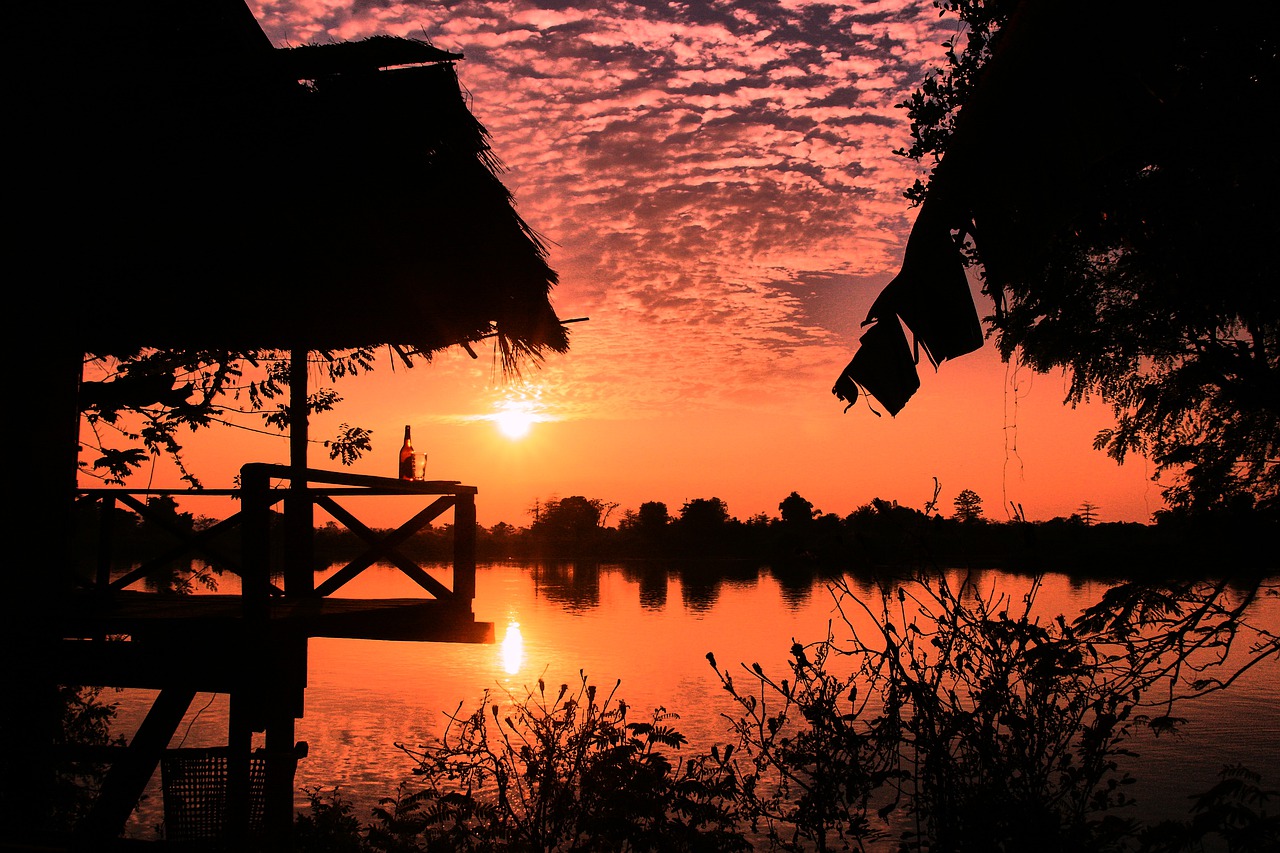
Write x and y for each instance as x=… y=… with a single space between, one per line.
x=186 y=185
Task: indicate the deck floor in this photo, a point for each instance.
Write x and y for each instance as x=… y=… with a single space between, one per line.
x=420 y=619
x=158 y=640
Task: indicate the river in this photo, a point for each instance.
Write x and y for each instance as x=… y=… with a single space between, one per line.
x=651 y=630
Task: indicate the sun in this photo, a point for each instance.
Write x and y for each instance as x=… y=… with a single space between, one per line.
x=514 y=420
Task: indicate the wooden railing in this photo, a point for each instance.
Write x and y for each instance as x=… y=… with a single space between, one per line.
x=184 y=543
x=258 y=535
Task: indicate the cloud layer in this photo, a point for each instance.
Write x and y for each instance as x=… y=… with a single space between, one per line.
x=716 y=179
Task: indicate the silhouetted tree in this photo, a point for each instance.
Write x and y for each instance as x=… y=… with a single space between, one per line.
x=500 y=542
x=968 y=506
x=568 y=526
x=887 y=533
x=647 y=527
x=1140 y=289
x=502 y=530
x=653 y=515
x=796 y=510
x=1088 y=512
x=703 y=526
x=704 y=513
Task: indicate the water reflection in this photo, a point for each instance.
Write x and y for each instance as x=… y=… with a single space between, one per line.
x=650 y=625
x=652 y=582
x=575 y=586
x=702 y=582
x=512 y=649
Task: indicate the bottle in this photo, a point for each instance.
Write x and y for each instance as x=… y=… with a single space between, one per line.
x=408 y=462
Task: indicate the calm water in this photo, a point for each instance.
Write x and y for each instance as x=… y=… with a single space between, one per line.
x=652 y=632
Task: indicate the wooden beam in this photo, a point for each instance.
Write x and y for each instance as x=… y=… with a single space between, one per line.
x=129 y=775
x=370 y=485
x=385 y=547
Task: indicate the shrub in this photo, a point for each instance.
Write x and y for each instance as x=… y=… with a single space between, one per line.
x=563 y=773
x=957 y=722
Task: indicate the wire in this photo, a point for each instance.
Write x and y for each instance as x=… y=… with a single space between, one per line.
x=196 y=717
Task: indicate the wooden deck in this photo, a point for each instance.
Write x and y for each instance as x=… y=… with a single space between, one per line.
x=114 y=633
x=205 y=642
x=252 y=644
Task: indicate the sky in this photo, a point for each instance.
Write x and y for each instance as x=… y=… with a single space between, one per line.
x=718 y=188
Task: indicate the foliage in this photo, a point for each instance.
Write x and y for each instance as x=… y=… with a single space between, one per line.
x=932 y=109
x=647 y=527
x=796 y=510
x=568 y=526
x=1232 y=813
x=85 y=725
x=703 y=527
x=962 y=721
x=1144 y=293
x=137 y=404
x=652 y=517
x=704 y=515
x=880 y=535
x=810 y=782
x=968 y=506
x=328 y=825
x=562 y=773
x=1183 y=637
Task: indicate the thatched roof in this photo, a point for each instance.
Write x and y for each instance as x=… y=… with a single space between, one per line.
x=1076 y=93
x=199 y=188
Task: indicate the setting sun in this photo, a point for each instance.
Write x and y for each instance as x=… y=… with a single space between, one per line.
x=515 y=419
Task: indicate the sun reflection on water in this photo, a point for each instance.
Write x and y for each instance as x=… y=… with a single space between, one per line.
x=512 y=649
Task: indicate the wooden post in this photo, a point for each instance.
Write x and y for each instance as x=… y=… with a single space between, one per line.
x=464 y=548
x=284 y=704
x=299 y=573
x=255 y=532
x=106 y=529
x=244 y=708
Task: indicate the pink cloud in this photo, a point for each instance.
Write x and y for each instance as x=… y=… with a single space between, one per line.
x=689 y=164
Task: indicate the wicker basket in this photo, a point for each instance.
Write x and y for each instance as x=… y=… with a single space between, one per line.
x=194 y=783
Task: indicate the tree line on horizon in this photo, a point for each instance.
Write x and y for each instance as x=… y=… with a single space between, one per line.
x=880 y=533
x=877 y=535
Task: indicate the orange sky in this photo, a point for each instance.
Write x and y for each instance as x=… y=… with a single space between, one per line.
x=718 y=184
